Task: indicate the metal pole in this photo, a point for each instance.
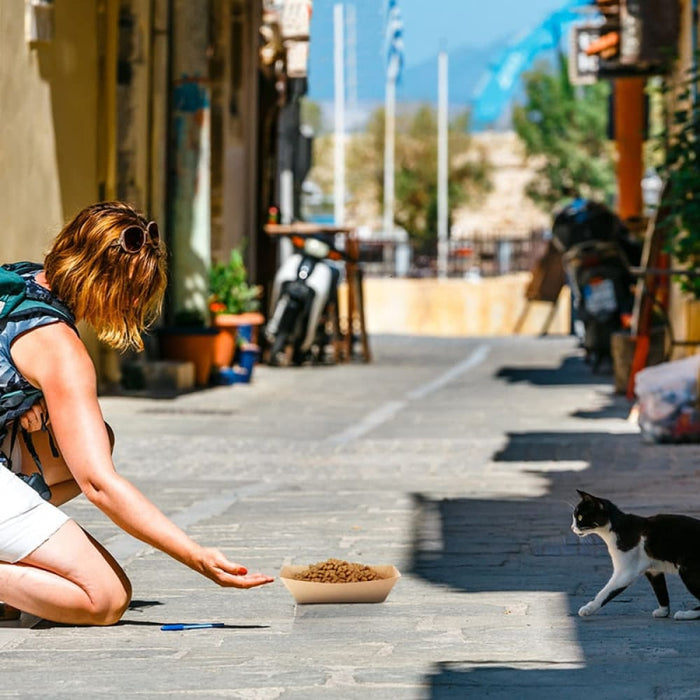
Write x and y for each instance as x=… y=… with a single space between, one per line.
x=284 y=245
x=339 y=145
x=442 y=165
x=351 y=62
x=389 y=148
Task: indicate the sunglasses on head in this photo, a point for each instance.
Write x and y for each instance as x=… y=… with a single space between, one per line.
x=134 y=237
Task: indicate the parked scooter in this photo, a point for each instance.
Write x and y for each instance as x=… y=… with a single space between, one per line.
x=304 y=301
x=597 y=253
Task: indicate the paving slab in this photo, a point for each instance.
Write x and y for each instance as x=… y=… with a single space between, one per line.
x=455 y=459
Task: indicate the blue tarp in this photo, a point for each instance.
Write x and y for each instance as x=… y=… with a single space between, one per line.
x=496 y=89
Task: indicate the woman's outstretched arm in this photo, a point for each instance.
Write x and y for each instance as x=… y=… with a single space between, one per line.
x=54 y=358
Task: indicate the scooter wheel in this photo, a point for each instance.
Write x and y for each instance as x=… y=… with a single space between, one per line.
x=277 y=351
x=298 y=357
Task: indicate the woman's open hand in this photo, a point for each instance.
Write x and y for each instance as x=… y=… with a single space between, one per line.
x=214 y=565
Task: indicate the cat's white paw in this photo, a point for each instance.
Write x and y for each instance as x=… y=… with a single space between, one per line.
x=687 y=615
x=587 y=609
x=661 y=611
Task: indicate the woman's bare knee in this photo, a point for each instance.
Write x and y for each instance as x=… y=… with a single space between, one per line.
x=107 y=606
x=111 y=594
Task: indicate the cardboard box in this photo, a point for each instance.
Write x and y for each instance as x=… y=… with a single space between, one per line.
x=308 y=592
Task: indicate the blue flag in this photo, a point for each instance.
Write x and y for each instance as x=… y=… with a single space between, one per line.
x=394 y=41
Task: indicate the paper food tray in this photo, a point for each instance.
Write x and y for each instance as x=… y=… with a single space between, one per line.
x=308 y=592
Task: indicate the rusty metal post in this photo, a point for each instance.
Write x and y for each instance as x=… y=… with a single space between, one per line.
x=629 y=136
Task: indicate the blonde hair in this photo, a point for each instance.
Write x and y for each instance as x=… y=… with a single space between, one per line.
x=119 y=294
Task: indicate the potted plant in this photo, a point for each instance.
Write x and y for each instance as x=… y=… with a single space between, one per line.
x=233 y=303
x=681 y=196
x=190 y=339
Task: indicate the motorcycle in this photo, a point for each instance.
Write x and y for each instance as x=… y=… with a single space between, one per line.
x=597 y=252
x=304 y=301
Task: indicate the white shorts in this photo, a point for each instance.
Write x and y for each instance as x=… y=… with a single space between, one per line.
x=26 y=519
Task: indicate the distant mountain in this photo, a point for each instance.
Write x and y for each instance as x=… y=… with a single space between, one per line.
x=365 y=60
x=466 y=67
x=418 y=83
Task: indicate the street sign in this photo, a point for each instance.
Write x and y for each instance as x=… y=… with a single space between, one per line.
x=583 y=69
x=296 y=19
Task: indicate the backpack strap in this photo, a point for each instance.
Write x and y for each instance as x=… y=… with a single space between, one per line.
x=6 y=459
x=34 y=307
x=27 y=437
x=24 y=298
x=12 y=290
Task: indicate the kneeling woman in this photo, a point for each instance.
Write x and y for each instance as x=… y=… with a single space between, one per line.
x=107 y=266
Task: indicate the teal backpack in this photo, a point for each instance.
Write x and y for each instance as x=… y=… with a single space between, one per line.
x=21 y=300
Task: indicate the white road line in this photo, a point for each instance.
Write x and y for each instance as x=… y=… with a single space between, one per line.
x=369 y=422
x=475 y=359
x=390 y=409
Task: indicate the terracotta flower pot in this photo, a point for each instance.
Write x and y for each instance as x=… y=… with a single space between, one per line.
x=190 y=344
x=225 y=346
x=234 y=321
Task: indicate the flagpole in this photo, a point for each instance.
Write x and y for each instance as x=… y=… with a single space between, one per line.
x=389 y=150
x=339 y=140
x=394 y=47
x=442 y=166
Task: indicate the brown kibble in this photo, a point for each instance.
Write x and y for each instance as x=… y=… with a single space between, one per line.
x=337 y=571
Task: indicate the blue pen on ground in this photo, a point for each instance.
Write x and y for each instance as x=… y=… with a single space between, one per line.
x=191 y=626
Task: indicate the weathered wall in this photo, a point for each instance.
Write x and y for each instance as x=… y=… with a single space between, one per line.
x=235 y=117
x=683 y=310
x=457 y=307
x=48 y=125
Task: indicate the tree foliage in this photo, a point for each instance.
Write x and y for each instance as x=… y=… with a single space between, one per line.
x=311 y=115
x=567 y=127
x=416 y=186
x=680 y=145
x=416 y=171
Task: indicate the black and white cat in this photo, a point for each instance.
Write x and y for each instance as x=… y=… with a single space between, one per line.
x=651 y=546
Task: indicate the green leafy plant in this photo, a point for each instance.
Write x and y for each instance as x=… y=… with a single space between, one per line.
x=229 y=288
x=566 y=127
x=417 y=175
x=681 y=171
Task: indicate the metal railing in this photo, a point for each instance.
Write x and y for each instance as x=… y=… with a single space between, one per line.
x=480 y=256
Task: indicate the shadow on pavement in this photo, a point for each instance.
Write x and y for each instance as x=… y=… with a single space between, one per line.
x=453 y=681
x=572 y=371
x=482 y=545
x=476 y=545
x=619 y=407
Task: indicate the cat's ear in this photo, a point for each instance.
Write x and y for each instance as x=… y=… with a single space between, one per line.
x=597 y=502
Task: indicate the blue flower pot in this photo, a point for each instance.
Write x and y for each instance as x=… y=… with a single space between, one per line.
x=247 y=357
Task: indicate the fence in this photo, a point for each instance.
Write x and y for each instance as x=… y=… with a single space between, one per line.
x=480 y=256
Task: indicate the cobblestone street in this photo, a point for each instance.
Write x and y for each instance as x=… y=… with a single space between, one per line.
x=457 y=461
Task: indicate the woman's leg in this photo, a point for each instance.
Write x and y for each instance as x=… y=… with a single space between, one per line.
x=70 y=578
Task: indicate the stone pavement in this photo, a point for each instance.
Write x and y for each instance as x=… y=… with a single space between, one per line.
x=454 y=459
